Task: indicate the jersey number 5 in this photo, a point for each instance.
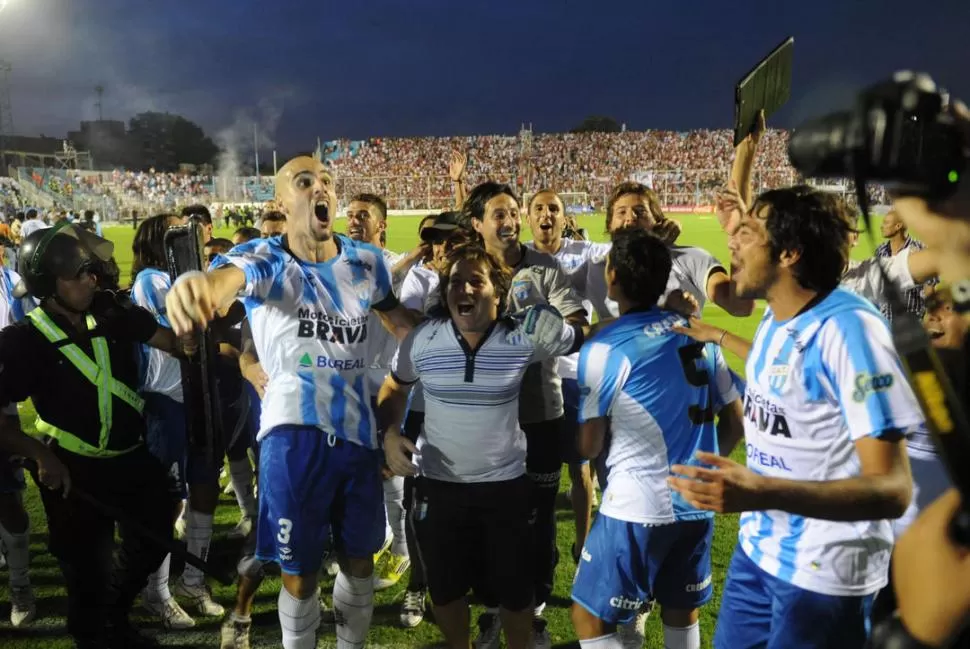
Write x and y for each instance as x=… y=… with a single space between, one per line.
x=689 y=355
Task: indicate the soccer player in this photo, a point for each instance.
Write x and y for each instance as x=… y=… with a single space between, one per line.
x=473 y=503
x=167 y=437
x=367 y=222
x=826 y=412
x=272 y=224
x=492 y=211
x=308 y=297
x=653 y=389
x=547 y=219
x=14 y=522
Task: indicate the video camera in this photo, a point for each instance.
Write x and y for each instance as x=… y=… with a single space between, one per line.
x=899 y=134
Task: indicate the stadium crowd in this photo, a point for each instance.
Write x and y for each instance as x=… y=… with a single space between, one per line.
x=410 y=412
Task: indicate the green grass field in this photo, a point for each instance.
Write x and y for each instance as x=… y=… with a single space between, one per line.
x=48 y=631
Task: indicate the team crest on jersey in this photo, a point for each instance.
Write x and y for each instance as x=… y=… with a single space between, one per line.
x=521 y=288
x=866 y=384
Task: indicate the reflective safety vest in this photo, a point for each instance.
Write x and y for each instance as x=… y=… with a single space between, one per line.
x=98 y=372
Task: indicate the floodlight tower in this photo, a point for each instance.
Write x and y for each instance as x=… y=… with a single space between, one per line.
x=6 y=112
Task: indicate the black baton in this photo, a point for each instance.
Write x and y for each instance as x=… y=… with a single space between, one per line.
x=171 y=545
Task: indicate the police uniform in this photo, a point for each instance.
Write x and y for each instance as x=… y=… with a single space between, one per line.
x=83 y=387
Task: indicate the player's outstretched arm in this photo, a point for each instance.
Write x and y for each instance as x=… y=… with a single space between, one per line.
x=742 y=169
x=703 y=332
x=883 y=491
x=400 y=320
x=195 y=297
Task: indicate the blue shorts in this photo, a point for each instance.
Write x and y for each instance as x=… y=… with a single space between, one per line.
x=624 y=564
x=166 y=436
x=309 y=482
x=758 y=610
x=570 y=427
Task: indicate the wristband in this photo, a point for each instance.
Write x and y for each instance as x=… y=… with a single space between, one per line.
x=720 y=341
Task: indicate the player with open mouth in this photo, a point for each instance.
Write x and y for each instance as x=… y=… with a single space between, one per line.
x=473 y=499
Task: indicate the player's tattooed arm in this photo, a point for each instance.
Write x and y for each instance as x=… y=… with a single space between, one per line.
x=591 y=436
x=392 y=403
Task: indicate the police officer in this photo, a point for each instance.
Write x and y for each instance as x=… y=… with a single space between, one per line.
x=76 y=357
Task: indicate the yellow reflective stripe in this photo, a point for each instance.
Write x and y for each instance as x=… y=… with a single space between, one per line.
x=98 y=372
x=74 y=444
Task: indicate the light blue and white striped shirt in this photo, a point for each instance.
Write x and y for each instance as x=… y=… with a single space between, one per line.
x=161 y=372
x=816 y=384
x=310 y=326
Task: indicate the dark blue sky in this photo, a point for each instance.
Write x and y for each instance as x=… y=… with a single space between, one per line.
x=359 y=68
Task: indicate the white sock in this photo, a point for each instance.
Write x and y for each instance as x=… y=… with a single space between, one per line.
x=353 y=601
x=539 y=609
x=241 y=477
x=299 y=619
x=686 y=638
x=396 y=518
x=18 y=556
x=611 y=641
x=198 y=534
x=158 y=581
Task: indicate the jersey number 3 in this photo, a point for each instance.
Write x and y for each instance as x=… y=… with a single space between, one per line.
x=689 y=355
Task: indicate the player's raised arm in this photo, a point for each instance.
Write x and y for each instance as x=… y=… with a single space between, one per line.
x=196 y=297
x=745 y=154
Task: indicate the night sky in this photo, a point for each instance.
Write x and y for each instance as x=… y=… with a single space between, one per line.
x=360 y=68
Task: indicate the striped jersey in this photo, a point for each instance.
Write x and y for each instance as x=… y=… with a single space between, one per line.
x=161 y=372
x=865 y=279
x=691 y=268
x=12 y=309
x=816 y=384
x=539 y=279
x=574 y=256
x=311 y=327
x=471 y=427
x=660 y=390
x=383 y=342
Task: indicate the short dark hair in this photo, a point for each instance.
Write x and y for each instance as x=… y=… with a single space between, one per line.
x=31 y=214
x=479 y=196
x=248 y=233
x=272 y=215
x=813 y=223
x=641 y=264
x=546 y=190
x=372 y=199
x=498 y=273
x=219 y=242
x=638 y=189
x=199 y=211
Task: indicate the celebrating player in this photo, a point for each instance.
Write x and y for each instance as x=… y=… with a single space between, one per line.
x=309 y=294
x=473 y=501
x=646 y=541
x=826 y=411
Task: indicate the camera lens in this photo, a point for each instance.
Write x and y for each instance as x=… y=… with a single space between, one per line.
x=824 y=147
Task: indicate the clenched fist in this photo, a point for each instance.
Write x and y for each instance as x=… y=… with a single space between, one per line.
x=190 y=303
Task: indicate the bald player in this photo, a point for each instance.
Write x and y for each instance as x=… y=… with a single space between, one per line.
x=308 y=296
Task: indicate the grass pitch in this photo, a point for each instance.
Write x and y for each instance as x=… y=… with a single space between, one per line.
x=48 y=632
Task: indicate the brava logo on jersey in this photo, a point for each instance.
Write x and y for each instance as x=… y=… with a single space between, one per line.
x=331 y=329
